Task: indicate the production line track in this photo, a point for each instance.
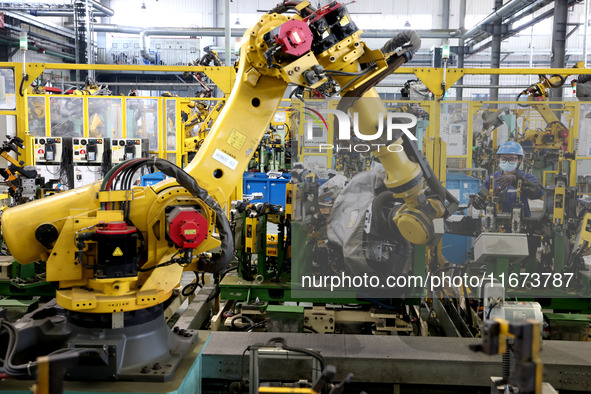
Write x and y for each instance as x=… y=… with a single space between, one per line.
x=407 y=361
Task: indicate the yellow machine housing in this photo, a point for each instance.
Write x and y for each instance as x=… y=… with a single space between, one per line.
x=218 y=166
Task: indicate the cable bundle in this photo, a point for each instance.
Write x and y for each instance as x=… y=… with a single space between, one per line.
x=106 y=162
x=67 y=164
x=120 y=178
x=28 y=369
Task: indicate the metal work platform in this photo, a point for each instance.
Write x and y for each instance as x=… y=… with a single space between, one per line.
x=394 y=360
x=405 y=361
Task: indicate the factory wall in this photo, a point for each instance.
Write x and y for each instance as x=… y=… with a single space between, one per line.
x=368 y=14
x=35 y=56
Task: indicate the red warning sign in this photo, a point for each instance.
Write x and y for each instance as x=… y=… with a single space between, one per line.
x=82 y=152
x=40 y=151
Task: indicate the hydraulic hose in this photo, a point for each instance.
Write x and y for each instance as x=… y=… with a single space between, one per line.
x=219 y=261
x=408 y=40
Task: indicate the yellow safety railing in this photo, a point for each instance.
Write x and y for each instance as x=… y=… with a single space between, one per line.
x=156 y=118
x=447 y=141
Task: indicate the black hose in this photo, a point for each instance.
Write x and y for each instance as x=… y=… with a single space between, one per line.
x=408 y=40
x=411 y=43
x=219 y=261
x=67 y=165
x=280 y=342
x=243 y=318
x=519 y=96
x=434 y=184
x=30 y=368
x=556 y=85
x=20 y=89
x=192 y=287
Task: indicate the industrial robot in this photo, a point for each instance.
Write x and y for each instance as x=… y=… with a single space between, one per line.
x=118 y=252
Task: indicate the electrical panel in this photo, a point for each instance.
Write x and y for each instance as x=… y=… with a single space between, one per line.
x=125 y=49
x=89 y=150
x=128 y=148
x=86 y=174
x=49 y=149
x=50 y=174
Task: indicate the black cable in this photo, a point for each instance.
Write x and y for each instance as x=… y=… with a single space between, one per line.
x=52 y=173
x=242 y=363
x=219 y=261
x=298 y=90
x=281 y=342
x=228 y=270
x=123 y=181
x=67 y=164
x=105 y=162
x=192 y=287
x=169 y=262
x=311 y=329
x=217 y=281
x=126 y=185
x=338 y=72
x=243 y=318
x=257 y=325
x=310 y=353
x=117 y=179
x=217 y=290
x=28 y=369
x=20 y=89
x=126 y=175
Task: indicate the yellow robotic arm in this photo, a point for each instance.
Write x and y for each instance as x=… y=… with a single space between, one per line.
x=206 y=120
x=555 y=135
x=114 y=248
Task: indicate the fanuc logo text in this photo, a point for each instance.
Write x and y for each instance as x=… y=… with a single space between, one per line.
x=391 y=123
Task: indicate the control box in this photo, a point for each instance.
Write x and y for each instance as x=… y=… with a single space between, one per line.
x=49 y=149
x=89 y=150
x=128 y=148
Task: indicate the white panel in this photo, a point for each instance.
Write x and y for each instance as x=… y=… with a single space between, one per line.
x=35 y=57
x=479 y=7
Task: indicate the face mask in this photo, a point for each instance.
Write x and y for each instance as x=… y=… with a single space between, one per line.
x=508 y=167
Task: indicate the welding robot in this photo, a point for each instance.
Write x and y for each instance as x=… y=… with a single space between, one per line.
x=119 y=252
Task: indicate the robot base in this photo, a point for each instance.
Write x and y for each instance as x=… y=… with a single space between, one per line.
x=143 y=348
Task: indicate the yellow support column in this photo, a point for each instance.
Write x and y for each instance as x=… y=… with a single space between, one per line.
x=179 y=132
x=29 y=155
x=47 y=117
x=85 y=132
x=21 y=106
x=123 y=117
x=437 y=143
x=161 y=128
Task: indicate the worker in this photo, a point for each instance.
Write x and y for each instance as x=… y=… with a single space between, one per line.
x=510 y=157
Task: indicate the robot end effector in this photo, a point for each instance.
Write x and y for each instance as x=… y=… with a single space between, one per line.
x=410 y=178
x=407 y=171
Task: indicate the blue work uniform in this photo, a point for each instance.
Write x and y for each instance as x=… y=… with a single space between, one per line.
x=507 y=205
